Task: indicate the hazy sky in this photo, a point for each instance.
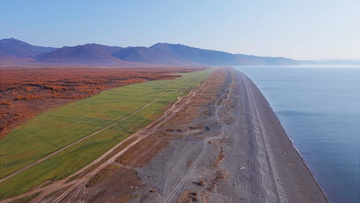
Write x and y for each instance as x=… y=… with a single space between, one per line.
x=299 y=29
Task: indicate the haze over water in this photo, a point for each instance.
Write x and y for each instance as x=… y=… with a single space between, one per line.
x=320 y=111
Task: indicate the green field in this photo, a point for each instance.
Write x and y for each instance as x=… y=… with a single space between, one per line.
x=54 y=129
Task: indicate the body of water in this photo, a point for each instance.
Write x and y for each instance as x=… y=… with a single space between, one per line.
x=320 y=111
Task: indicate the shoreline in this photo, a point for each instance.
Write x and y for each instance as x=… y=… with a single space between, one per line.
x=307 y=166
x=289 y=139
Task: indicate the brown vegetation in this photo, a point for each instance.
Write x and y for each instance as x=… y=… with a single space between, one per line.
x=187 y=197
x=24 y=92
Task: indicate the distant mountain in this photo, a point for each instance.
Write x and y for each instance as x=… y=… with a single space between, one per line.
x=16 y=48
x=175 y=54
x=270 y=61
x=15 y=52
x=88 y=53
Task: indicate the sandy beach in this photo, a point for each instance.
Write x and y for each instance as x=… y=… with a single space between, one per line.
x=222 y=144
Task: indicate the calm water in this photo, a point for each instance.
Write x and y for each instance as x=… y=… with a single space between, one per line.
x=320 y=111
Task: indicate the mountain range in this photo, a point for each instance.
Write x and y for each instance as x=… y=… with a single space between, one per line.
x=16 y=52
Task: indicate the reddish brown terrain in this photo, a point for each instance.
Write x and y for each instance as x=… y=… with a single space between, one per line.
x=24 y=92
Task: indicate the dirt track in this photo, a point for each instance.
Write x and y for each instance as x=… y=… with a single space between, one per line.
x=221 y=143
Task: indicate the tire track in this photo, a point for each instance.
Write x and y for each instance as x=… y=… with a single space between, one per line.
x=182 y=180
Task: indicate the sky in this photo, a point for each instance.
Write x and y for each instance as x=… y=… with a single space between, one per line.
x=298 y=29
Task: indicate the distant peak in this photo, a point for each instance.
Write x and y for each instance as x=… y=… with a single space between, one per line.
x=93 y=44
x=12 y=39
x=160 y=44
x=163 y=44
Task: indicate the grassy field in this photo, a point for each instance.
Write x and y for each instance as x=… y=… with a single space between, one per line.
x=59 y=127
